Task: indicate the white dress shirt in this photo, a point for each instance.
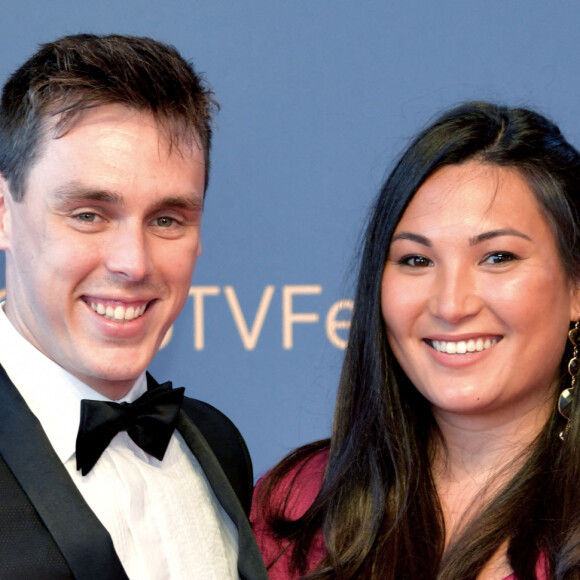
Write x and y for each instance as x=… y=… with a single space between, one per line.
x=163 y=517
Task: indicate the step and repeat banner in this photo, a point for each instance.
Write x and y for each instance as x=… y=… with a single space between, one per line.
x=318 y=97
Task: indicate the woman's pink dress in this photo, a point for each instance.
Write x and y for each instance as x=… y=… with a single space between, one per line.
x=277 y=552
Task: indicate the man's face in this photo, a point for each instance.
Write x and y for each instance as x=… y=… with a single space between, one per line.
x=100 y=252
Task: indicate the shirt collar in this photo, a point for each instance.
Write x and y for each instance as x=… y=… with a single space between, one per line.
x=51 y=392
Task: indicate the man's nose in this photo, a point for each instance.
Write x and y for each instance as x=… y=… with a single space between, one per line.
x=128 y=254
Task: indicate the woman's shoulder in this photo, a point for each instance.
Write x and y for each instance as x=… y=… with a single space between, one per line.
x=287 y=492
x=542 y=569
x=294 y=489
x=302 y=484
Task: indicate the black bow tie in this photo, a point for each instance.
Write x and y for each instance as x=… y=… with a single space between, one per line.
x=149 y=420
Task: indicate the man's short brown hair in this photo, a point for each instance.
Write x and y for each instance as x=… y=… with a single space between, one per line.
x=77 y=72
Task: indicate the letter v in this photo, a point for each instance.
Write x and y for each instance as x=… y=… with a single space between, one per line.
x=249 y=337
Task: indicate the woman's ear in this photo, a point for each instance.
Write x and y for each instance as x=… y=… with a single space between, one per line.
x=5 y=204
x=575 y=301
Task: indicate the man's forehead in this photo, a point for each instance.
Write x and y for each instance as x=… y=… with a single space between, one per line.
x=175 y=135
x=109 y=147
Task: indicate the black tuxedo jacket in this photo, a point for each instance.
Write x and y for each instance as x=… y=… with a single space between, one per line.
x=47 y=530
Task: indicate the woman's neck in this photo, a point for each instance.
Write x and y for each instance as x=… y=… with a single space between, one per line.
x=476 y=446
x=477 y=456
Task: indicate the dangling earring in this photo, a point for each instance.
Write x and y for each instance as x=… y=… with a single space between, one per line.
x=566 y=396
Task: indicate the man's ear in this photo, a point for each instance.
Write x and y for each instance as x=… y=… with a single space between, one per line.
x=6 y=202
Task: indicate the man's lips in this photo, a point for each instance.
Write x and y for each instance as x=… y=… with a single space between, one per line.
x=116 y=310
x=476 y=344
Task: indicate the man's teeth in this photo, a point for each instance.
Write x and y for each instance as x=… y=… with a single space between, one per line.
x=118 y=313
x=463 y=346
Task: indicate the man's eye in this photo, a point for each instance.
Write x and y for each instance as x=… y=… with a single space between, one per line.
x=416 y=261
x=164 y=222
x=499 y=258
x=86 y=216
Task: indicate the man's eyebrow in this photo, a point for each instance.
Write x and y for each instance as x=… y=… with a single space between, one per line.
x=185 y=202
x=74 y=192
x=496 y=234
x=413 y=237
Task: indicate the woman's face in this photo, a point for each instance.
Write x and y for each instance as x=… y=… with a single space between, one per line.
x=474 y=296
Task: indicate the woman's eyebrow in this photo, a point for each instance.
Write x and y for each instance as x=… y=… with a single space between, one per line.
x=413 y=237
x=496 y=234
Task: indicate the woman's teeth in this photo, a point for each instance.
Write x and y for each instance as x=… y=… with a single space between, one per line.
x=463 y=346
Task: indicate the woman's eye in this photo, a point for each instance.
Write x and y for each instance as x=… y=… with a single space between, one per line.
x=499 y=258
x=416 y=261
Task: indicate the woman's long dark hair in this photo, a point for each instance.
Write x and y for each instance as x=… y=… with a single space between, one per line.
x=378 y=508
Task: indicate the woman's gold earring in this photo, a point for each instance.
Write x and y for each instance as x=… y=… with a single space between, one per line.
x=567 y=395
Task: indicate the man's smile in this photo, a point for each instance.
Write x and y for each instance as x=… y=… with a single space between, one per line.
x=117 y=312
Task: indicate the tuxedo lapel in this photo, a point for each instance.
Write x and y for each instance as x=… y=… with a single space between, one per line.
x=83 y=541
x=250 y=564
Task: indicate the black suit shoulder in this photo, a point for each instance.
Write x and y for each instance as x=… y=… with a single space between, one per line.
x=227 y=445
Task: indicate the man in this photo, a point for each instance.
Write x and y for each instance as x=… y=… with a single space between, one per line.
x=104 y=158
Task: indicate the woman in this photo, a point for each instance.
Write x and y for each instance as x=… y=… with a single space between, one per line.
x=448 y=456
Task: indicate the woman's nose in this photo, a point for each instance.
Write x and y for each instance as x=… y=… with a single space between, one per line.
x=455 y=295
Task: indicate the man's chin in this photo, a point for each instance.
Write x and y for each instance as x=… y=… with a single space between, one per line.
x=112 y=383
